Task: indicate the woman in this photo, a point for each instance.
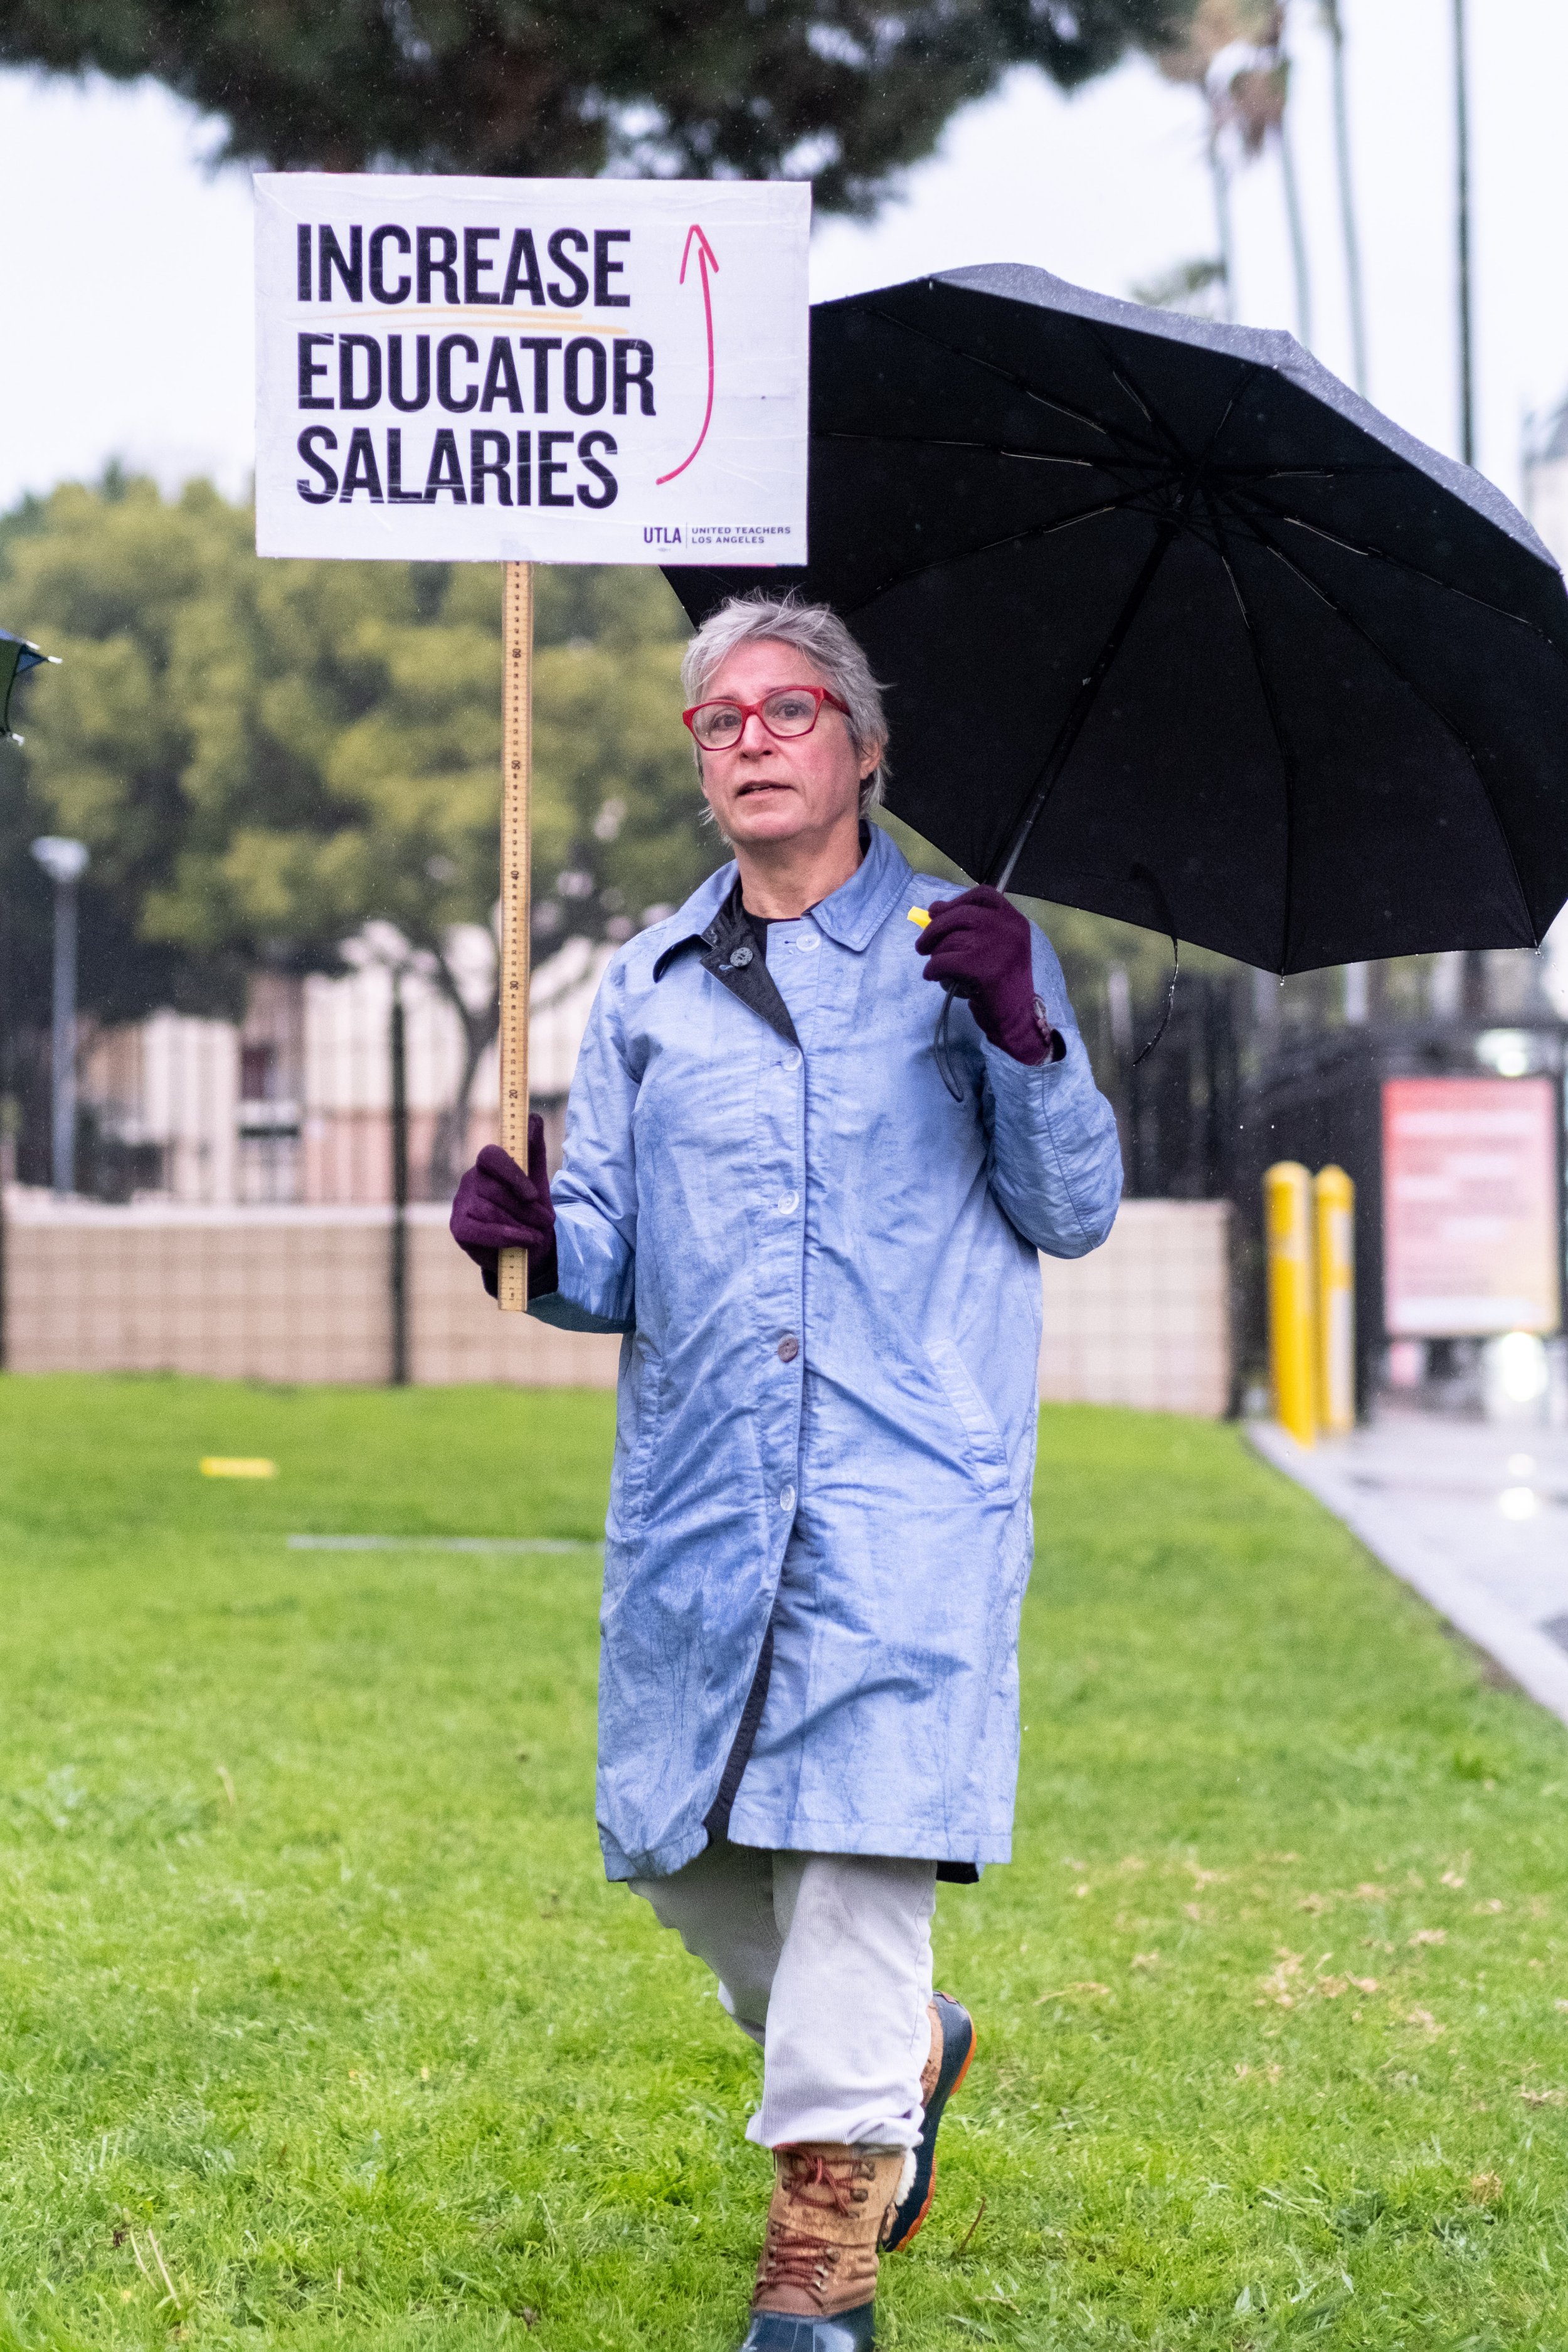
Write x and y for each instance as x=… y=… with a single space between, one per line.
x=824 y=1267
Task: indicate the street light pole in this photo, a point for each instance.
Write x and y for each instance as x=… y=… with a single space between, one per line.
x=64 y=862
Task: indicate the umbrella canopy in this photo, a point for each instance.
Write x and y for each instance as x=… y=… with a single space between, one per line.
x=17 y=655
x=1179 y=629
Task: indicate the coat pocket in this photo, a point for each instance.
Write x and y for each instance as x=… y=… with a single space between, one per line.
x=632 y=1471
x=984 y=1449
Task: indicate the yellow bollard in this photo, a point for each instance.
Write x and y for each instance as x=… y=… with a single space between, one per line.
x=1293 y=1357
x=1333 y=1206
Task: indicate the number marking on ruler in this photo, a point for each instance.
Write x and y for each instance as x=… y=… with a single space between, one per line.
x=517 y=758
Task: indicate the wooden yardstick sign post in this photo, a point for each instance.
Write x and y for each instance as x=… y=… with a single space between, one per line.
x=530 y=372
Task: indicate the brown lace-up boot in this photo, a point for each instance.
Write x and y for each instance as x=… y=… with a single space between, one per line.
x=817 y=2282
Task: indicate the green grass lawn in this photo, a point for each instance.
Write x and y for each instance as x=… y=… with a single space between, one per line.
x=319 y=2025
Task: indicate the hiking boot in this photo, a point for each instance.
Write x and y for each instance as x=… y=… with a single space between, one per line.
x=816 y=2281
x=951 y=2048
x=776 y=2331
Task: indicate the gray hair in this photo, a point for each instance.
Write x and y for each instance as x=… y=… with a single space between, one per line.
x=813 y=630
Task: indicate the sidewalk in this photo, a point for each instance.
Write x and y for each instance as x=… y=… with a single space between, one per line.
x=1473 y=1516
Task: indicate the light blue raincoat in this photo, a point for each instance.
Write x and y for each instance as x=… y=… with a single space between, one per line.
x=826 y=1271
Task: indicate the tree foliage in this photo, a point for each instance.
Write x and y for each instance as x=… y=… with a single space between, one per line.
x=262 y=757
x=841 y=92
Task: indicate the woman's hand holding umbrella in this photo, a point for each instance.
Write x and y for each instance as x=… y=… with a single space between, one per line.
x=497 y=1207
x=978 y=946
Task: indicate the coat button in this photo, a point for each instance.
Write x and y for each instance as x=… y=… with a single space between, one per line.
x=789 y=1348
x=741 y=958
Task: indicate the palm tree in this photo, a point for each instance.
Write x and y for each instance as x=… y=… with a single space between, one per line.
x=1334 y=22
x=1235 y=54
x=1462 y=209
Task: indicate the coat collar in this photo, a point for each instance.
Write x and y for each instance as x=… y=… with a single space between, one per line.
x=692 y=920
x=696 y=924
x=852 y=916
x=732 y=956
x=859 y=908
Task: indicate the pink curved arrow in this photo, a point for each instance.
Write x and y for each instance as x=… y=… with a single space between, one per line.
x=705 y=255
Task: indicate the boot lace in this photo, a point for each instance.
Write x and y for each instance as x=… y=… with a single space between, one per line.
x=828 y=2182
x=792 y=2258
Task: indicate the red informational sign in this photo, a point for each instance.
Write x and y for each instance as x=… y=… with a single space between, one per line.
x=1470 y=1226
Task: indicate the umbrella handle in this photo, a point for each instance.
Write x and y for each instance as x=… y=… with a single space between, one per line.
x=938 y=1043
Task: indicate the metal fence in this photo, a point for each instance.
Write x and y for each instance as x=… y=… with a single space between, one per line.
x=332 y=1122
x=352 y=1090
x=267 y=1197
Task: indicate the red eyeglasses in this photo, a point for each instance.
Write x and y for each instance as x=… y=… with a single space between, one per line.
x=788 y=711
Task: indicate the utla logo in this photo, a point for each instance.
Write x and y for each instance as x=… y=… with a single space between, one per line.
x=658 y=534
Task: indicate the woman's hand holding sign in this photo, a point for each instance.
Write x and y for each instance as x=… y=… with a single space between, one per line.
x=497 y=1207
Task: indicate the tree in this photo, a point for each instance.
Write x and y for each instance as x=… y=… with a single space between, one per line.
x=107 y=577
x=263 y=757
x=1350 y=234
x=844 y=93
x=1234 y=50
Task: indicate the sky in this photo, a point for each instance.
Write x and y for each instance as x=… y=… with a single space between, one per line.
x=127 y=310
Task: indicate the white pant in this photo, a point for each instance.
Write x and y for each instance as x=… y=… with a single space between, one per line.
x=825 y=1960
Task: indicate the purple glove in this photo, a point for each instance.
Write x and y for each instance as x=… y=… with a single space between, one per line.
x=981 y=943
x=497 y=1207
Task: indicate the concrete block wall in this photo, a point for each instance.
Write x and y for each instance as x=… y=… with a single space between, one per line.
x=263 y=1294
x=302 y=1295
x=1146 y=1319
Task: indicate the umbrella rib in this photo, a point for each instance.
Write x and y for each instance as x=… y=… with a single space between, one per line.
x=1403 y=564
x=1157 y=425
x=1264 y=473
x=1008 y=375
x=1287 y=759
x=993 y=449
x=1161 y=431
x=1083 y=702
x=1364 y=633
x=990 y=546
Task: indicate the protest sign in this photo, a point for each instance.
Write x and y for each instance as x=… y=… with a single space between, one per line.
x=549 y=370
x=529 y=371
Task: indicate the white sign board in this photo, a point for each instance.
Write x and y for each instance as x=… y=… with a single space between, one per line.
x=553 y=371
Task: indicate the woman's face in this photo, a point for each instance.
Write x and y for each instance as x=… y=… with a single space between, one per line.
x=762 y=790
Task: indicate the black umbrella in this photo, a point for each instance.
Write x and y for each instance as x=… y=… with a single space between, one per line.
x=1179 y=629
